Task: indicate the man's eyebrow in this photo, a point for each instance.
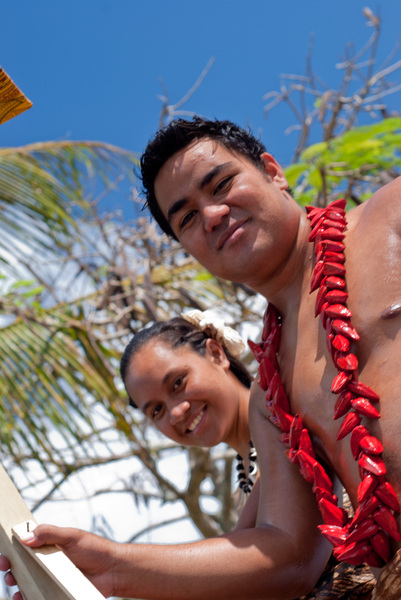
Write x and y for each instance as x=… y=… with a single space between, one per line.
x=174 y=208
x=212 y=173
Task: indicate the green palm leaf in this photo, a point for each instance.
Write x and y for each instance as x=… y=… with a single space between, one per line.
x=50 y=379
x=45 y=187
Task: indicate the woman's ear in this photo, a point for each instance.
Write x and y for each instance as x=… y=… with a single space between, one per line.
x=215 y=352
x=274 y=170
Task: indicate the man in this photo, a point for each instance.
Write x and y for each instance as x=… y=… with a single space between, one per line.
x=227 y=203
x=214 y=188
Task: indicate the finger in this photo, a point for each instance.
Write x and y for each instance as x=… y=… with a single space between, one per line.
x=4 y=563
x=10 y=579
x=48 y=535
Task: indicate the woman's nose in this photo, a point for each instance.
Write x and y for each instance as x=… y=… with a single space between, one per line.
x=178 y=411
x=213 y=214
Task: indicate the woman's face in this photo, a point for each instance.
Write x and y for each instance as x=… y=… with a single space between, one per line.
x=192 y=399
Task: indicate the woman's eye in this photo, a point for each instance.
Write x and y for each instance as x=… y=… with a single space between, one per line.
x=156 y=412
x=222 y=185
x=178 y=383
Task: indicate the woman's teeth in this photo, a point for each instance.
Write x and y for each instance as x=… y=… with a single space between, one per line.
x=196 y=421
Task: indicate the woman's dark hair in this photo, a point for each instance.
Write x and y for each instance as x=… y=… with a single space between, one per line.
x=178 y=332
x=179 y=134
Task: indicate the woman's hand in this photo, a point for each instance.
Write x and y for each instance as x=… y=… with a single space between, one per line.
x=92 y=554
x=9 y=578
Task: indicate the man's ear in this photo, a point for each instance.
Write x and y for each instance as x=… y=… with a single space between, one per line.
x=215 y=353
x=274 y=170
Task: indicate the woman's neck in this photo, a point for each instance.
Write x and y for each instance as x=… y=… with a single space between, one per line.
x=240 y=436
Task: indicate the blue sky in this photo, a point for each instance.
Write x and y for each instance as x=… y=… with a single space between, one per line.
x=93 y=67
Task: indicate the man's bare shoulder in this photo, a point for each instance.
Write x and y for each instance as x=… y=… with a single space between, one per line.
x=384 y=206
x=386 y=196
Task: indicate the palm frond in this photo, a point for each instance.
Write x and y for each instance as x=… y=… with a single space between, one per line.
x=52 y=372
x=45 y=187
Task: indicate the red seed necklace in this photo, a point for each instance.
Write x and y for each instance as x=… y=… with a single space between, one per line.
x=365 y=536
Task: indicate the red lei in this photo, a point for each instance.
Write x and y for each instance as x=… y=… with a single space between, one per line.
x=364 y=537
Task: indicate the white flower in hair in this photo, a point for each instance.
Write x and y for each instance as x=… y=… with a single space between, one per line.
x=216 y=328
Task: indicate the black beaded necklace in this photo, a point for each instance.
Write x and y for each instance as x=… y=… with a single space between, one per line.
x=244 y=482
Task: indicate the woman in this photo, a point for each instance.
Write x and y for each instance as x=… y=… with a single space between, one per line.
x=193 y=401
x=186 y=378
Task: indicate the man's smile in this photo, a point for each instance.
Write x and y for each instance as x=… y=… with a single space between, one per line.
x=231 y=234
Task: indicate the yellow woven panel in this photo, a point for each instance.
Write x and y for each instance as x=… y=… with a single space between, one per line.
x=12 y=100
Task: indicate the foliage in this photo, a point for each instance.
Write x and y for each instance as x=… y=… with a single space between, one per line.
x=76 y=283
x=322 y=112
x=94 y=281
x=46 y=187
x=348 y=139
x=352 y=165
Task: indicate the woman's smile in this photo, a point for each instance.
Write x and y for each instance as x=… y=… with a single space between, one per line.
x=196 y=421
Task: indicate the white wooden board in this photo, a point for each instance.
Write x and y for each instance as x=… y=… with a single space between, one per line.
x=43 y=573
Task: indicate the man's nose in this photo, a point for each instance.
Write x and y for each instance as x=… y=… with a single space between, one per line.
x=213 y=215
x=178 y=411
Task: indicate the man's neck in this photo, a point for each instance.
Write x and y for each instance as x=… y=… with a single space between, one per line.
x=286 y=288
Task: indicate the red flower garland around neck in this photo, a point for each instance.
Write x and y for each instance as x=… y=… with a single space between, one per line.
x=364 y=537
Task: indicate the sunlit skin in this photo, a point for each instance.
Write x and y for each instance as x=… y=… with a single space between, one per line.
x=217 y=203
x=195 y=400
x=239 y=221
x=373 y=252
x=206 y=191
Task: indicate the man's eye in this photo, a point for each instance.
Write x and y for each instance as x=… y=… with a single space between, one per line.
x=222 y=185
x=187 y=218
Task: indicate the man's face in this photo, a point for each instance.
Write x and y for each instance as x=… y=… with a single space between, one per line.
x=228 y=213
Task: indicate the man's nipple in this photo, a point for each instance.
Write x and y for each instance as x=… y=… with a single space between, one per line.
x=392 y=311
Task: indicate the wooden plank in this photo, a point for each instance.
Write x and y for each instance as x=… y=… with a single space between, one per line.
x=12 y=100
x=42 y=573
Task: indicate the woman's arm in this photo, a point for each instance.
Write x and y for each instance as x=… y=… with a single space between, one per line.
x=276 y=551
x=282 y=557
x=249 y=563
